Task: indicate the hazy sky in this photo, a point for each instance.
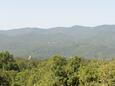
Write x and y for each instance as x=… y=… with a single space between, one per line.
x=52 y=13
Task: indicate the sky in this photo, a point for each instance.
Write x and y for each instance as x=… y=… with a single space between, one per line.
x=55 y=13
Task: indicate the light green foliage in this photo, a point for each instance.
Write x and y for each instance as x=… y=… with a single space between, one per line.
x=88 y=75
x=56 y=71
x=106 y=73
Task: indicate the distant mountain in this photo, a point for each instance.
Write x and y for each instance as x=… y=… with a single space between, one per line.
x=68 y=41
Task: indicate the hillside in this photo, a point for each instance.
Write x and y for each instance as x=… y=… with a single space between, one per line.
x=67 y=41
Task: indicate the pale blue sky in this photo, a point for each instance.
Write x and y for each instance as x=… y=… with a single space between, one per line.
x=53 y=13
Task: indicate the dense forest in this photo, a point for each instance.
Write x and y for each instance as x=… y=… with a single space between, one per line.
x=56 y=71
x=84 y=41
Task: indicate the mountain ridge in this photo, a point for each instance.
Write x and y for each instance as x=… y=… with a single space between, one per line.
x=78 y=26
x=67 y=41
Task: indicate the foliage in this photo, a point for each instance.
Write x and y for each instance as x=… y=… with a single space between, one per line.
x=56 y=71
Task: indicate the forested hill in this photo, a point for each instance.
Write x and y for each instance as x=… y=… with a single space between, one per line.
x=67 y=41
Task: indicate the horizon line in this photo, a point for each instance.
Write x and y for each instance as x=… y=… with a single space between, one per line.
x=17 y=28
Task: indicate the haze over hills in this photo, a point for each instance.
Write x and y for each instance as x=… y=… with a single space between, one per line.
x=67 y=41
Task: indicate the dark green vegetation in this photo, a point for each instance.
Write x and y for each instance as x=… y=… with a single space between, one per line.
x=56 y=71
x=66 y=41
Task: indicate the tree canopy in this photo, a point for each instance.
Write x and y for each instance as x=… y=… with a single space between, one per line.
x=56 y=71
